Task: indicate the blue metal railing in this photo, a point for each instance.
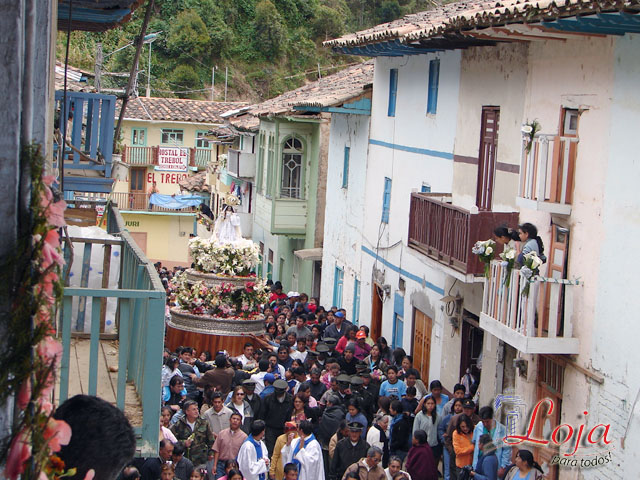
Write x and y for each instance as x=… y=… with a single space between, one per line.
x=139 y=322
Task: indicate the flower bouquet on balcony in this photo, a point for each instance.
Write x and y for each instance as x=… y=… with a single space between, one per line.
x=486 y=251
x=508 y=258
x=529 y=270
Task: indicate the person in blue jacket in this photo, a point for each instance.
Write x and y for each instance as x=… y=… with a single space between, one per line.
x=497 y=432
x=487 y=467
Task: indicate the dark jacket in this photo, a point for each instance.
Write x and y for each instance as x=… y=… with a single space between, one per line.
x=184 y=468
x=487 y=467
x=189 y=384
x=346 y=455
x=329 y=423
x=317 y=390
x=256 y=405
x=401 y=433
x=218 y=378
x=348 y=367
x=421 y=464
x=274 y=413
x=368 y=405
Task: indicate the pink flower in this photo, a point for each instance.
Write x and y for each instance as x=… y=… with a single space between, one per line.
x=47 y=406
x=19 y=452
x=24 y=395
x=57 y=434
x=90 y=474
x=50 y=348
x=50 y=253
x=55 y=213
x=48 y=180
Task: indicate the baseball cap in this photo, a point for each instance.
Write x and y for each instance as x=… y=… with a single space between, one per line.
x=468 y=404
x=270 y=377
x=338 y=314
x=361 y=334
x=290 y=426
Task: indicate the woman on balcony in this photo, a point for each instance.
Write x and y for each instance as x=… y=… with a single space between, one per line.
x=506 y=236
x=528 y=234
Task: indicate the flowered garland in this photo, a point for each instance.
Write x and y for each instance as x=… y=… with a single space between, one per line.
x=236 y=259
x=225 y=300
x=508 y=257
x=530 y=129
x=32 y=352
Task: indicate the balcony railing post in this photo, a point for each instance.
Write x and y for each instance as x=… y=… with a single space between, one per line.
x=124 y=154
x=155 y=155
x=543 y=160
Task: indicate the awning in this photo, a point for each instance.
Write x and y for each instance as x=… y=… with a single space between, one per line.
x=309 y=254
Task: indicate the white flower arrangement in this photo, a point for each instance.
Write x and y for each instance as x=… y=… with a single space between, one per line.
x=529 y=269
x=508 y=257
x=237 y=259
x=485 y=249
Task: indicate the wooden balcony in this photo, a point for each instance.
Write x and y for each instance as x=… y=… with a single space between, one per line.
x=123 y=367
x=540 y=322
x=283 y=216
x=87 y=153
x=547 y=171
x=148 y=156
x=241 y=164
x=139 y=201
x=447 y=233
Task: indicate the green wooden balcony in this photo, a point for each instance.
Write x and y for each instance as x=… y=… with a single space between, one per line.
x=127 y=372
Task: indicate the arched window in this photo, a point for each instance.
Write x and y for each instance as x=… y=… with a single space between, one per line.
x=292 y=154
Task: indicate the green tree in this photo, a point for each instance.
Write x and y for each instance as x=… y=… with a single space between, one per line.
x=270 y=32
x=184 y=77
x=328 y=23
x=188 y=36
x=388 y=11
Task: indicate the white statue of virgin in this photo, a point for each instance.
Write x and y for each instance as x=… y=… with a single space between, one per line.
x=226 y=229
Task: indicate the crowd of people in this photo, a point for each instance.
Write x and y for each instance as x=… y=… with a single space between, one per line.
x=315 y=397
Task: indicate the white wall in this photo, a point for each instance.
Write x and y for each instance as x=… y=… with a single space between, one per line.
x=614 y=350
x=344 y=217
x=423 y=154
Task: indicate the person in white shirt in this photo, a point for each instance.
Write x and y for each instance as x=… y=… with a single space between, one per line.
x=263 y=366
x=247 y=356
x=301 y=351
x=395 y=467
x=305 y=452
x=253 y=457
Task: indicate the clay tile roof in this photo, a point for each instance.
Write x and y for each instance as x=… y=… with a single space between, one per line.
x=178 y=109
x=469 y=14
x=245 y=123
x=195 y=183
x=328 y=91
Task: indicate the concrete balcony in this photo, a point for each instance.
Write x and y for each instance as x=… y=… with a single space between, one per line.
x=540 y=322
x=241 y=164
x=446 y=233
x=547 y=173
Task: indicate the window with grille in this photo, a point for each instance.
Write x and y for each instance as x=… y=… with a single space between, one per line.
x=292 y=154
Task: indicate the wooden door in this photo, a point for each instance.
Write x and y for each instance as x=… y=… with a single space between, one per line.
x=557 y=261
x=376 y=312
x=141 y=240
x=550 y=384
x=137 y=193
x=487 y=158
x=472 y=341
x=422 y=327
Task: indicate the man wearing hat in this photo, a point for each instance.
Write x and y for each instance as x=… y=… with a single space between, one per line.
x=305 y=452
x=276 y=411
x=344 y=390
x=367 y=403
x=338 y=328
x=277 y=462
x=254 y=400
x=348 y=451
x=268 y=389
x=331 y=343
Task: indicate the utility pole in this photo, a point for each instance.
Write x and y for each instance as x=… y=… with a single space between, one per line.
x=319 y=72
x=213 y=82
x=226 y=76
x=134 y=68
x=149 y=72
x=97 y=68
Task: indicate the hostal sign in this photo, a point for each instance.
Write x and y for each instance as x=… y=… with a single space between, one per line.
x=173 y=159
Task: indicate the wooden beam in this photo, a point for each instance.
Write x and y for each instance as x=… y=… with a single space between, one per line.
x=566 y=361
x=534 y=38
x=564 y=32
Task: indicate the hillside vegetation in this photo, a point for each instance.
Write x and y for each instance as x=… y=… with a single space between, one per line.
x=268 y=46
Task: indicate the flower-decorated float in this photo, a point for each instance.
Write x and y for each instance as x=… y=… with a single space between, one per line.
x=219 y=298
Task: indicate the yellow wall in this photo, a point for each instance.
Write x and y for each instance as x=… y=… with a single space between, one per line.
x=164 y=241
x=154 y=129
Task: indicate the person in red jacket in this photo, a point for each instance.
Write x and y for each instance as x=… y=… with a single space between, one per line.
x=420 y=461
